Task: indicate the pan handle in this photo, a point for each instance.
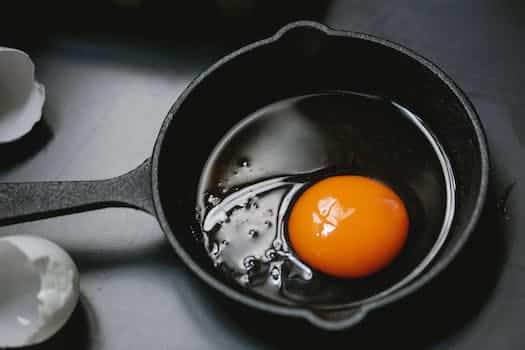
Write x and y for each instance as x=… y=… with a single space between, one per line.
x=21 y=202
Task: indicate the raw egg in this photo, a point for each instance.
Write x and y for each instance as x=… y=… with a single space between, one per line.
x=348 y=226
x=294 y=201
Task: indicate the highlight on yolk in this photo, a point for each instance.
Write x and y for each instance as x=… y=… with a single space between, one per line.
x=348 y=226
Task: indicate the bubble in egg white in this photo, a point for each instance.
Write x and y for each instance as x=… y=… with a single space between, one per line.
x=40 y=289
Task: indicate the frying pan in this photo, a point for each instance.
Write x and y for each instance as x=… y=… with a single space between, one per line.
x=302 y=58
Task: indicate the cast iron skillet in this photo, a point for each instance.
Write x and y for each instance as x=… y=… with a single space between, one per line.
x=301 y=58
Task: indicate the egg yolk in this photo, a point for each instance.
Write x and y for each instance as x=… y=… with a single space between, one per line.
x=348 y=226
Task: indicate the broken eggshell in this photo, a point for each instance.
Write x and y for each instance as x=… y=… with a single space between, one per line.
x=21 y=97
x=39 y=290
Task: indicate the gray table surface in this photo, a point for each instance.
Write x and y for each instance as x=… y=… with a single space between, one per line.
x=107 y=97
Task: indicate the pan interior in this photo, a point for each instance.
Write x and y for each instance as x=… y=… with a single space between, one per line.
x=301 y=140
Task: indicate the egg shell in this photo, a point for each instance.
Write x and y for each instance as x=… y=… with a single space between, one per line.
x=40 y=289
x=21 y=96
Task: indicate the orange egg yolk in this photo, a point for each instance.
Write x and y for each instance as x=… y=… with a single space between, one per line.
x=348 y=226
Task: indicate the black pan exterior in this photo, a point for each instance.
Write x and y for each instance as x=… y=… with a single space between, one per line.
x=307 y=57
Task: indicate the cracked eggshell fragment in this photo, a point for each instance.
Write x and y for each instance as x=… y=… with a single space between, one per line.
x=39 y=289
x=21 y=96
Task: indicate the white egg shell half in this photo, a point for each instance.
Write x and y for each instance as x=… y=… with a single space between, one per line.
x=21 y=97
x=39 y=289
